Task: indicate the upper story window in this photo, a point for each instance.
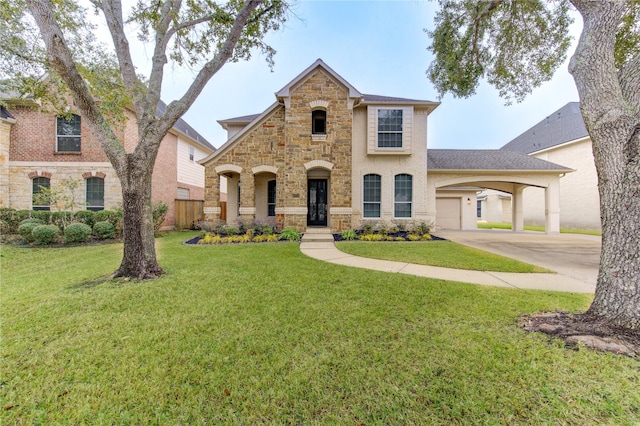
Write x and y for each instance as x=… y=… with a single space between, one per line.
x=68 y=134
x=39 y=200
x=389 y=128
x=95 y=193
x=192 y=153
x=319 y=122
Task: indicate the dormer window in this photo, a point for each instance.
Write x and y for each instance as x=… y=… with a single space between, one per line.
x=319 y=122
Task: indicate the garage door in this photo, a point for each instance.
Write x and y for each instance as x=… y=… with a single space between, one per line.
x=448 y=213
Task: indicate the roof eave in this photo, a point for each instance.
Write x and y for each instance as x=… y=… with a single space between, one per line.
x=225 y=147
x=503 y=171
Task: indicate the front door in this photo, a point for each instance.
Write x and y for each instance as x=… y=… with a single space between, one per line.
x=317 y=202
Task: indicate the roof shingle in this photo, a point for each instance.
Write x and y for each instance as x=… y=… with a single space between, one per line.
x=487 y=159
x=564 y=125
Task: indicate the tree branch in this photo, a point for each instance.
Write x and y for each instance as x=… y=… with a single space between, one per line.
x=112 y=10
x=60 y=59
x=177 y=108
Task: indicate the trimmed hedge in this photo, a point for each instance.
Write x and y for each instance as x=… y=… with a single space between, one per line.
x=25 y=230
x=85 y=216
x=77 y=233
x=104 y=230
x=45 y=234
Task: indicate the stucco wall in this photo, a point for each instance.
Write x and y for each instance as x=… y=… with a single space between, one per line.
x=579 y=198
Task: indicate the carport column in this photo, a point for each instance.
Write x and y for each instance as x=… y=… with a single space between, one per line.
x=552 y=207
x=517 y=216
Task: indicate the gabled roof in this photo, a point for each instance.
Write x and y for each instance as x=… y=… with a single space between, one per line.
x=244 y=120
x=488 y=160
x=5 y=114
x=564 y=125
x=184 y=128
x=319 y=63
x=250 y=121
x=377 y=99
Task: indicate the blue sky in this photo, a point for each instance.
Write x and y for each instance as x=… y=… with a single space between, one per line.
x=380 y=47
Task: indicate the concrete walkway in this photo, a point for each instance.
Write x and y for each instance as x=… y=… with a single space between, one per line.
x=318 y=244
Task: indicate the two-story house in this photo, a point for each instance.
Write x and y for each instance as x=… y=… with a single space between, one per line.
x=43 y=150
x=325 y=154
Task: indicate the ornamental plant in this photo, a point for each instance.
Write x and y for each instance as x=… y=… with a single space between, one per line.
x=45 y=234
x=77 y=233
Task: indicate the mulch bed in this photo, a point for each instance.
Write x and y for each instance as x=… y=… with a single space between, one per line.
x=403 y=234
x=581 y=329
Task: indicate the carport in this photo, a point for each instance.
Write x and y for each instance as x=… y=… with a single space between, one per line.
x=455 y=176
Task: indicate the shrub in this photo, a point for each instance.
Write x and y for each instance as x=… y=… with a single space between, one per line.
x=421 y=229
x=85 y=216
x=159 y=213
x=268 y=229
x=77 y=233
x=367 y=229
x=348 y=234
x=290 y=234
x=61 y=219
x=260 y=238
x=19 y=216
x=45 y=234
x=372 y=237
x=32 y=220
x=114 y=217
x=104 y=230
x=43 y=215
x=414 y=237
x=272 y=238
x=25 y=230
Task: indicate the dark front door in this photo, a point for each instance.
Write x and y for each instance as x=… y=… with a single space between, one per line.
x=317 y=202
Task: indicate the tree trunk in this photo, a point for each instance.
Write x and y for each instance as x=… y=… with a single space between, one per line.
x=139 y=258
x=611 y=111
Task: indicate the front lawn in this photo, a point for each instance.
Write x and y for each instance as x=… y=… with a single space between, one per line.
x=261 y=334
x=446 y=254
x=506 y=225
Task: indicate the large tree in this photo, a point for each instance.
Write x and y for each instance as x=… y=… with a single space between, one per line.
x=518 y=44
x=54 y=38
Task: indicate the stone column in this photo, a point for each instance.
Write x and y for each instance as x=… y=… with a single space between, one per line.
x=212 y=197
x=247 y=197
x=5 y=140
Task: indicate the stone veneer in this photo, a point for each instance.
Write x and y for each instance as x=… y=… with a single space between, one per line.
x=283 y=140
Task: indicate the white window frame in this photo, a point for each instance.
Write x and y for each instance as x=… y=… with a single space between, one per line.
x=58 y=136
x=395 y=200
x=364 y=201
x=373 y=112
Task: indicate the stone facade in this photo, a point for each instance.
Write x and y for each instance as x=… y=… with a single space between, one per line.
x=280 y=145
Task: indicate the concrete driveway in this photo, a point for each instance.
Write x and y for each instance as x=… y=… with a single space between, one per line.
x=573 y=255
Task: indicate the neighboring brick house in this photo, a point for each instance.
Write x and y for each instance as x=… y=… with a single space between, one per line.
x=325 y=154
x=39 y=149
x=562 y=138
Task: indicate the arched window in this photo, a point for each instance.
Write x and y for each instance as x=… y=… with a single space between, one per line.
x=403 y=195
x=39 y=199
x=271 y=198
x=319 y=122
x=371 y=196
x=68 y=134
x=95 y=193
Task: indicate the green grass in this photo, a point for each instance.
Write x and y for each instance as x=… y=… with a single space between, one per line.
x=261 y=334
x=446 y=254
x=502 y=225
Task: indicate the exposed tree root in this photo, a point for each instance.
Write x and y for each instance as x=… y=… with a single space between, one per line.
x=592 y=332
x=144 y=274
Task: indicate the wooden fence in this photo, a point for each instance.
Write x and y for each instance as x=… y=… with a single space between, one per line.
x=188 y=213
